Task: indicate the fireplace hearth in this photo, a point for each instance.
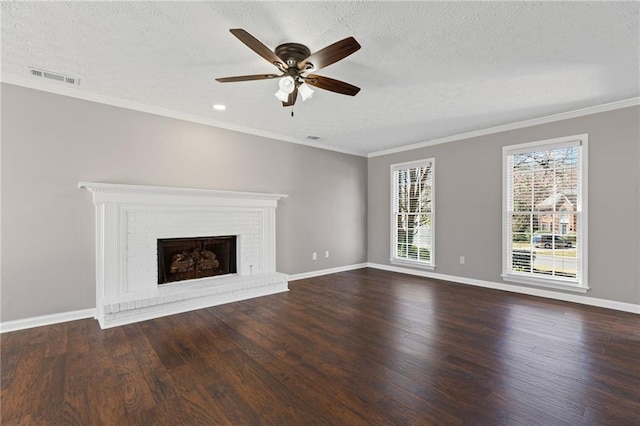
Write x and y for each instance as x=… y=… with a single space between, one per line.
x=182 y=259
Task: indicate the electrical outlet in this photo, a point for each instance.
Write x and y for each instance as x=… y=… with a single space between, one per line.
x=326 y=254
x=462 y=260
x=314 y=256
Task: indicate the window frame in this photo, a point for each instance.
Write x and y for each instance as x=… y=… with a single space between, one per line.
x=427 y=162
x=581 y=283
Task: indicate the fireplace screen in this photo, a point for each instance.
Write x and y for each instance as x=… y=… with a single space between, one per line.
x=190 y=258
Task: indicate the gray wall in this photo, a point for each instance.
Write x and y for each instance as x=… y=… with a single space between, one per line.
x=468 y=197
x=51 y=142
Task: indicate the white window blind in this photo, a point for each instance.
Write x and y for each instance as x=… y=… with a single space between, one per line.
x=412 y=218
x=543 y=216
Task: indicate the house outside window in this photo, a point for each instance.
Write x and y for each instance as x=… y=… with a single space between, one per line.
x=544 y=213
x=412 y=219
x=559 y=206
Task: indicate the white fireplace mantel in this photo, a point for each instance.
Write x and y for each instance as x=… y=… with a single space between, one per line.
x=129 y=221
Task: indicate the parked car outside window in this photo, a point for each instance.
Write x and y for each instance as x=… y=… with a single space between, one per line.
x=547 y=241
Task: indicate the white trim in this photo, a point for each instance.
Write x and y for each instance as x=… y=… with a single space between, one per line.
x=426 y=162
x=410 y=164
x=75 y=92
x=582 y=282
x=25 y=323
x=78 y=93
x=540 y=145
x=321 y=272
x=108 y=191
x=22 y=324
x=557 y=284
x=566 y=297
x=584 y=210
x=513 y=126
x=412 y=263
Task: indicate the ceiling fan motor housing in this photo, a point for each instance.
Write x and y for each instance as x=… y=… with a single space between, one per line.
x=292 y=53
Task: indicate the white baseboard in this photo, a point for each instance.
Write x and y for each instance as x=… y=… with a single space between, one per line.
x=584 y=300
x=22 y=324
x=326 y=271
x=32 y=322
x=26 y=323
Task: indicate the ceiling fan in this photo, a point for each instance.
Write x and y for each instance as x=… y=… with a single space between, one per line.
x=295 y=61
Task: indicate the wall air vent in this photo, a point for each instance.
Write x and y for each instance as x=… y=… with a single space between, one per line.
x=54 y=76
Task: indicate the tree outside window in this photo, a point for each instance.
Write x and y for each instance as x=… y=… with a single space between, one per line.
x=412 y=219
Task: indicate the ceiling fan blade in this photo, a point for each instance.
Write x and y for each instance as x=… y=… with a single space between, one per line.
x=247 y=78
x=292 y=98
x=331 y=84
x=257 y=46
x=331 y=54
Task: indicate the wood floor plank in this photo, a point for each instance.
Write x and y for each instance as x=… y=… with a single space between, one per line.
x=360 y=347
x=294 y=377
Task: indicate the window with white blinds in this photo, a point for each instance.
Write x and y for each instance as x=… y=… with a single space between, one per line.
x=412 y=213
x=544 y=224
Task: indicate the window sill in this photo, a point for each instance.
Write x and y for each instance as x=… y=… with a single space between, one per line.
x=412 y=264
x=558 y=285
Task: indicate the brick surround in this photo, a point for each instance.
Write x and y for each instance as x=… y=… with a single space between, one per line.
x=130 y=219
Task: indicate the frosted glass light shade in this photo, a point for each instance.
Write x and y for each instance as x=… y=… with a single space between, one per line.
x=287 y=84
x=305 y=91
x=284 y=97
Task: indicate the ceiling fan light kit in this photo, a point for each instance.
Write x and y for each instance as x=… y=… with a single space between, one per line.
x=305 y=91
x=284 y=97
x=294 y=61
x=286 y=85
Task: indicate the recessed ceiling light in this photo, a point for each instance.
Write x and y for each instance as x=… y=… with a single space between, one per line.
x=219 y=107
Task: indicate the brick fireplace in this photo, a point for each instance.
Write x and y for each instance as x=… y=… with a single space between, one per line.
x=131 y=222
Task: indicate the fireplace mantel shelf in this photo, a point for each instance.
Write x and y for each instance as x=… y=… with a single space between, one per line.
x=114 y=189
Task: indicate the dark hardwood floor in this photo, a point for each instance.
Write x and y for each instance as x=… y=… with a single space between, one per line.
x=360 y=347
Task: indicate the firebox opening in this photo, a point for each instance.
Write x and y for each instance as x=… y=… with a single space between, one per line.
x=190 y=258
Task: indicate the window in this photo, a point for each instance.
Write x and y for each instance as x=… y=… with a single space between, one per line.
x=544 y=214
x=412 y=213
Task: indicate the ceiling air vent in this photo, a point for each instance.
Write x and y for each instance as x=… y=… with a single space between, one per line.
x=61 y=78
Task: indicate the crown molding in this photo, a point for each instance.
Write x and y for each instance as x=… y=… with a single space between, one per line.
x=513 y=126
x=78 y=93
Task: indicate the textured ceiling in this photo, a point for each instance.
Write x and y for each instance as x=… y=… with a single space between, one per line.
x=427 y=70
